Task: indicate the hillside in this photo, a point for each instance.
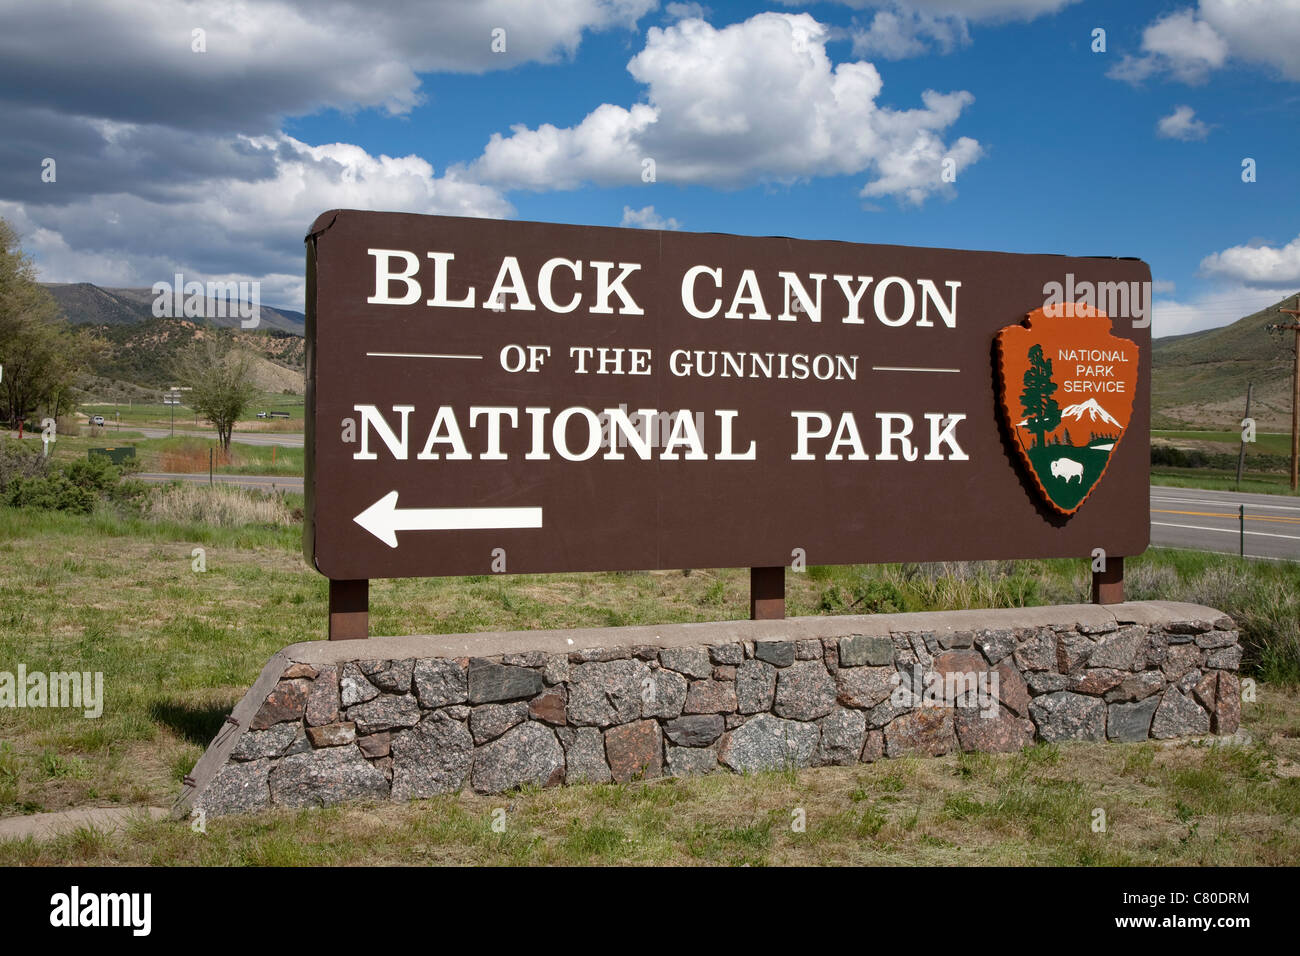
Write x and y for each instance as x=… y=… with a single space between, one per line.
x=83 y=302
x=1199 y=380
x=140 y=350
x=144 y=353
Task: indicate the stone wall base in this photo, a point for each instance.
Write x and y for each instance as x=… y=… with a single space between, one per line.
x=402 y=718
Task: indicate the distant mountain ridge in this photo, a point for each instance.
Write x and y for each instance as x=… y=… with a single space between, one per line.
x=87 y=303
x=140 y=350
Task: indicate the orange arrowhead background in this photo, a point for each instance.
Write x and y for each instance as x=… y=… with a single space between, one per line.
x=1095 y=374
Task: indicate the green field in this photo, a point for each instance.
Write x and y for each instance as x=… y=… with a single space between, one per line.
x=182 y=455
x=1270 y=443
x=1264 y=475
x=1219 y=481
x=160 y=416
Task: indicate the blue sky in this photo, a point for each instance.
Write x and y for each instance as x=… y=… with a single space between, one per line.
x=807 y=120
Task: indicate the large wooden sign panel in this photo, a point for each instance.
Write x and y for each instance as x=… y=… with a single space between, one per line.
x=487 y=395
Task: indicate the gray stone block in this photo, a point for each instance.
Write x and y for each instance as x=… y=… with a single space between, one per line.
x=866 y=650
x=769 y=743
x=1067 y=716
x=776 y=653
x=237 y=788
x=691 y=661
x=440 y=682
x=432 y=757
x=490 y=683
x=755 y=686
x=1129 y=723
x=326 y=777
x=695 y=730
x=527 y=754
x=804 y=691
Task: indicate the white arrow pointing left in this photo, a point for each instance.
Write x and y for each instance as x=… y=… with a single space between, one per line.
x=384 y=519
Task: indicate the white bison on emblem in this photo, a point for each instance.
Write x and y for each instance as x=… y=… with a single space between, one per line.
x=1068 y=469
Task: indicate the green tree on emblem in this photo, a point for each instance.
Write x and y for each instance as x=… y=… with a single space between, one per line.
x=1042 y=414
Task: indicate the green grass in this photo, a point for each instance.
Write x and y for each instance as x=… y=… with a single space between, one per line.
x=187 y=454
x=1218 y=480
x=155 y=414
x=1270 y=443
x=1265 y=475
x=178 y=648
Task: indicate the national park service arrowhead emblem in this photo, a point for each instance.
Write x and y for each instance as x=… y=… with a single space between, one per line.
x=1066 y=387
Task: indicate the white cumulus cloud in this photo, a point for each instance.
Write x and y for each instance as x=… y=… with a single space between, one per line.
x=1219 y=307
x=898 y=33
x=135 y=59
x=1189 y=44
x=905 y=28
x=1257 y=264
x=647 y=218
x=230 y=227
x=751 y=102
x=1182 y=124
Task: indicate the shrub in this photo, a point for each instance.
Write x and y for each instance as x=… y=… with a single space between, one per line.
x=876 y=596
x=96 y=474
x=30 y=480
x=870 y=596
x=18 y=460
x=53 y=491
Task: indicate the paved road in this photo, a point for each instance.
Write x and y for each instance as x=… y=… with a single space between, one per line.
x=1210 y=521
x=260 y=482
x=283 y=439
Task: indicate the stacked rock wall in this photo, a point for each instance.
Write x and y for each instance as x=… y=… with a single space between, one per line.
x=406 y=718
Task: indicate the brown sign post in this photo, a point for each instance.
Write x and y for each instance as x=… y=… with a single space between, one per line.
x=489 y=396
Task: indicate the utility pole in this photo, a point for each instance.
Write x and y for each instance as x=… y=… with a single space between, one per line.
x=172 y=399
x=1241 y=457
x=1295 y=392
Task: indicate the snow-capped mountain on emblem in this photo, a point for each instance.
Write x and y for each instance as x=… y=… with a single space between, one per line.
x=1093 y=410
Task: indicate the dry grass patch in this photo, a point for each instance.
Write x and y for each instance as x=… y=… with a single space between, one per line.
x=219 y=506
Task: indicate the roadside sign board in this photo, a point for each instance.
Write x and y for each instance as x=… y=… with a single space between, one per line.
x=487 y=395
x=118 y=456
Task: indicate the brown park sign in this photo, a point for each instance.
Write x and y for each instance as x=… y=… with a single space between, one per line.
x=488 y=395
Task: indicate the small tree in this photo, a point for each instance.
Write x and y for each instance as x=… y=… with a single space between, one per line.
x=1042 y=414
x=40 y=354
x=219 y=374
